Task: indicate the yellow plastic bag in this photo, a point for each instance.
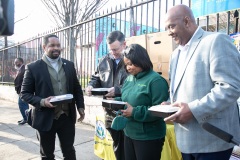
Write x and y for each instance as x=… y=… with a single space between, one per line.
x=103 y=143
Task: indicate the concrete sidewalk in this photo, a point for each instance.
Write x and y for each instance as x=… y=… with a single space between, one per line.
x=20 y=143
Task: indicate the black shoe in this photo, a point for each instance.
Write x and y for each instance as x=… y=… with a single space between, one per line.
x=22 y=122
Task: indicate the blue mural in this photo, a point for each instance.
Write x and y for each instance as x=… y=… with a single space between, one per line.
x=205 y=7
x=106 y=25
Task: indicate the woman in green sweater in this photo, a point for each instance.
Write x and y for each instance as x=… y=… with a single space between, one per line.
x=143 y=88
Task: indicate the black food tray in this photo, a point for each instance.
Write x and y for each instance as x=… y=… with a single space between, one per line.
x=99 y=91
x=161 y=114
x=163 y=110
x=114 y=105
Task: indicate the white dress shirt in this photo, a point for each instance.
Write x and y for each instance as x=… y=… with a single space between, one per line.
x=182 y=60
x=54 y=63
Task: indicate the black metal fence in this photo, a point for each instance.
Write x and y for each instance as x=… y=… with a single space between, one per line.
x=89 y=43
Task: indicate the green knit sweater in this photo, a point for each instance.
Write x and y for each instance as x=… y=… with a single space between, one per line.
x=142 y=91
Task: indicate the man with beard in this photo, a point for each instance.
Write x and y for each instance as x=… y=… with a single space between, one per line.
x=23 y=106
x=43 y=79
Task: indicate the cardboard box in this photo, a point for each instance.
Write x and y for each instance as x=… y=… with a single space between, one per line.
x=165 y=68
x=159 y=46
x=141 y=40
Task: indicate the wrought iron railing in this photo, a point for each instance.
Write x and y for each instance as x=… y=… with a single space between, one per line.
x=139 y=18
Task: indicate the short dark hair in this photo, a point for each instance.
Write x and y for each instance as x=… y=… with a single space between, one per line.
x=46 y=38
x=20 y=59
x=115 y=35
x=138 y=56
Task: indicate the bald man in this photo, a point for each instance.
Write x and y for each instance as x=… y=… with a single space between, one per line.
x=202 y=86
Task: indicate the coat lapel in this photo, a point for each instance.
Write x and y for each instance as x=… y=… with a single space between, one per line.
x=173 y=67
x=47 y=76
x=67 y=72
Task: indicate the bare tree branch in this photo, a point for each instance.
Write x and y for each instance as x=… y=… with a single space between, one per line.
x=69 y=12
x=22 y=18
x=79 y=11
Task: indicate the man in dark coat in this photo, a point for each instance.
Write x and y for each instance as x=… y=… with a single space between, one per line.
x=43 y=79
x=23 y=106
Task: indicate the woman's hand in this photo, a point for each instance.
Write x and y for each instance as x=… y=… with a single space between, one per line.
x=127 y=112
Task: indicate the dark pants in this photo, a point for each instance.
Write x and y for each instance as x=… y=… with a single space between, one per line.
x=23 y=106
x=143 y=150
x=223 y=155
x=65 y=129
x=118 y=143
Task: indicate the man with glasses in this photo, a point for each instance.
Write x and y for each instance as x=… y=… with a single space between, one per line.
x=111 y=73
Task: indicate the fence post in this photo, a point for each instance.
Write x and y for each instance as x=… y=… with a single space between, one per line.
x=236 y=18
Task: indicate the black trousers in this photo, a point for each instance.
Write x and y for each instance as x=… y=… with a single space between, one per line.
x=118 y=143
x=143 y=149
x=65 y=129
x=222 y=155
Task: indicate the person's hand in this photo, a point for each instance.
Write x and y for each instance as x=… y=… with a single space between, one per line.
x=111 y=92
x=127 y=112
x=81 y=113
x=183 y=115
x=165 y=103
x=88 y=90
x=47 y=102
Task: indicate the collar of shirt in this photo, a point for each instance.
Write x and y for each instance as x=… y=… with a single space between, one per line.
x=186 y=46
x=53 y=62
x=117 y=60
x=181 y=61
